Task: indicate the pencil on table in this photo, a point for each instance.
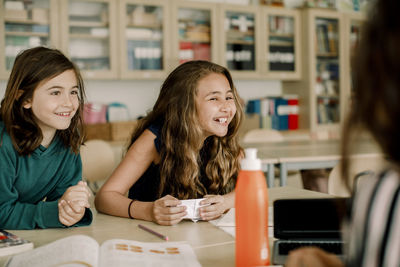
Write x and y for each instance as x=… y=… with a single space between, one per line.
x=153 y=232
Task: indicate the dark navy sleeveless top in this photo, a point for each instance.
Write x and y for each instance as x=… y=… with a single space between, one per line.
x=146 y=188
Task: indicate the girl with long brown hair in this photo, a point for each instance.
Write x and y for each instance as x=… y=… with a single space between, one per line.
x=186 y=147
x=40 y=135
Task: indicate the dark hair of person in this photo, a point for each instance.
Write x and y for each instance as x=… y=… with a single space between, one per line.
x=376 y=80
x=32 y=67
x=180 y=165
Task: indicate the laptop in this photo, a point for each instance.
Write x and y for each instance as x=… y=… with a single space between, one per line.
x=307 y=222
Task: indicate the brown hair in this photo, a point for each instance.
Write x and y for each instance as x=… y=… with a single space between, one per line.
x=376 y=77
x=181 y=164
x=31 y=67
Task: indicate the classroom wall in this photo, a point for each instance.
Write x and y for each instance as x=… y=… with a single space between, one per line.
x=140 y=96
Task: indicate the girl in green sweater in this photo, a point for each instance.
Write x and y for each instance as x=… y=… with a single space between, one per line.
x=40 y=134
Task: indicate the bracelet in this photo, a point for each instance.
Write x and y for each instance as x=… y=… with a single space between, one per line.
x=129 y=209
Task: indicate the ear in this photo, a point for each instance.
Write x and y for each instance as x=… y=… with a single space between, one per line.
x=27 y=104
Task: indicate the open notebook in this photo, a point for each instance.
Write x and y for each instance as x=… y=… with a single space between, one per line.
x=307 y=222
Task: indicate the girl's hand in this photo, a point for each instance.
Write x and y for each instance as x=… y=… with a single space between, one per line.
x=215 y=209
x=78 y=196
x=167 y=212
x=67 y=214
x=71 y=206
x=312 y=257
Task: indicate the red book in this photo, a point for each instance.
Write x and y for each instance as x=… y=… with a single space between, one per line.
x=293 y=118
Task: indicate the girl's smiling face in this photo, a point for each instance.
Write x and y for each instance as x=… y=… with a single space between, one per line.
x=54 y=103
x=215 y=104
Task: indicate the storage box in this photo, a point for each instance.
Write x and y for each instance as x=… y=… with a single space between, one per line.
x=115 y=131
x=40 y=15
x=15 y=14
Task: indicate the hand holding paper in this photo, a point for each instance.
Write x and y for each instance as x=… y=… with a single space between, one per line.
x=192 y=208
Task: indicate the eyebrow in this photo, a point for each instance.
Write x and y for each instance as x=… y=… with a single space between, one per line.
x=60 y=87
x=218 y=92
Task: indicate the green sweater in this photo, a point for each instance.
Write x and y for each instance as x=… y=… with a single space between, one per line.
x=30 y=186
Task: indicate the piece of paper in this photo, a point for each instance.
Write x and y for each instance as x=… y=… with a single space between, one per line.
x=227 y=222
x=228 y=219
x=192 y=208
x=120 y=252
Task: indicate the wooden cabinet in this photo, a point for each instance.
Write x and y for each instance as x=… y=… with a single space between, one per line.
x=352 y=30
x=88 y=36
x=322 y=87
x=281 y=43
x=194 y=32
x=239 y=45
x=24 y=25
x=144 y=33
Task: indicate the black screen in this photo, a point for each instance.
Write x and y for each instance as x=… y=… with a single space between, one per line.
x=309 y=218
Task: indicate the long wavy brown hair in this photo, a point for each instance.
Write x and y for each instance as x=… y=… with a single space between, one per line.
x=190 y=167
x=31 y=67
x=376 y=77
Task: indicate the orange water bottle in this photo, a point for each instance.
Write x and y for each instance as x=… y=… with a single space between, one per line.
x=251 y=203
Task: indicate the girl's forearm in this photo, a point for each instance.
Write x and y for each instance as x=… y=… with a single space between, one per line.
x=115 y=204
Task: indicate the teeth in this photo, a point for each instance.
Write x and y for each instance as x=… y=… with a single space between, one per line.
x=223 y=120
x=63 y=113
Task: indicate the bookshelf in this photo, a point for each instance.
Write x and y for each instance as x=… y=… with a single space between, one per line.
x=352 y=30
x=322 y=88
x=240 y=47
x=25 y=25
x=144 y=27
x=88 y=36
x=281 y=43
x=194 y=26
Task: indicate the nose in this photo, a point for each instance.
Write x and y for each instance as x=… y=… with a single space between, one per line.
x=67 y=100
x=225 y=106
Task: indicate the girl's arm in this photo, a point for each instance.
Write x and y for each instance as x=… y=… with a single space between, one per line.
x=112 y=197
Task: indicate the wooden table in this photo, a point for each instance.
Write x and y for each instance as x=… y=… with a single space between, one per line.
x=213 y=246
x=303 y=155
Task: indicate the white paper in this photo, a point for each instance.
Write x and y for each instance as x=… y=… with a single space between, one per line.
x=83 y=251
x=119 y=253
x=192 y=208
x=227 y=222
x=77 y=250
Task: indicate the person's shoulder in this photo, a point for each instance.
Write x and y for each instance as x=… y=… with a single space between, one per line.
x=5 y=139
x=156 y=127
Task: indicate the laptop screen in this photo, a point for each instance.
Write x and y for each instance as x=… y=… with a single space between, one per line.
x=309 y=218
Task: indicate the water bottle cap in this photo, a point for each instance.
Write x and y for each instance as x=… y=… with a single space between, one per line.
x=250 y=162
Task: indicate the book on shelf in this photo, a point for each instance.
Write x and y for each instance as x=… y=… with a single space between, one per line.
x=82 y=250
x=12 y=244
x=279 y=113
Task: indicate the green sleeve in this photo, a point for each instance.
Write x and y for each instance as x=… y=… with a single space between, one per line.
x=17 y=215
x=71 y=176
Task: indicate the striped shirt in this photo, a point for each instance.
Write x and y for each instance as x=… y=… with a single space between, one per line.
x=374 y=227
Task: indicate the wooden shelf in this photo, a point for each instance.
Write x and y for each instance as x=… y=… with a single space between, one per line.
x=29 y=21
x=88 y=24
x=87 y=36
x=27 y=34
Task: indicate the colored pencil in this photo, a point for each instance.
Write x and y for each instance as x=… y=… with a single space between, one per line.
x=153 y=232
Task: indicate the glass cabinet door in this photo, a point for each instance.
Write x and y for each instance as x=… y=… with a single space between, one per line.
x=282 y=47
x=89 y=36
x=25 y=24
x=239 y=40
x=327 y=80
x=353 y=25
x=194 y=31
x=143 y=43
